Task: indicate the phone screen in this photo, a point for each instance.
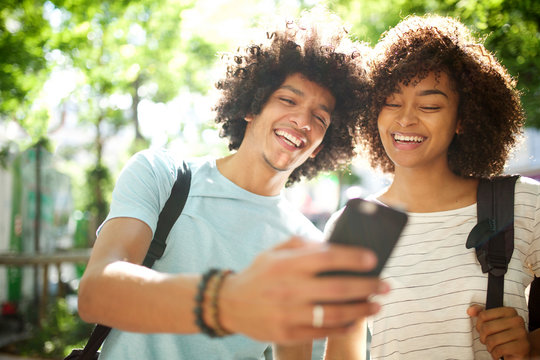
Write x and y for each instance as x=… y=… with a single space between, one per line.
x=370 y=225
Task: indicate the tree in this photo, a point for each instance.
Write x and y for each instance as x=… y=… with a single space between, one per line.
x=23 y=42
x=124 y=50
x=511 y=28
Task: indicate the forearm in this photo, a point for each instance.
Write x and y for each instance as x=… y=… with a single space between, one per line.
x=351 y=346
x=534 y=340
x=300 y=351
x=134 y=298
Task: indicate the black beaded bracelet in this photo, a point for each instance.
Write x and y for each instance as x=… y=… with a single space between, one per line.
x=199 y=300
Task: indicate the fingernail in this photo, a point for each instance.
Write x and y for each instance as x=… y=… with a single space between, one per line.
x=374 y=308
x=369 y=258
x=383 y=288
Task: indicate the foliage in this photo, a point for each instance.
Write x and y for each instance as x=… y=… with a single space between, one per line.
x=61 y=331
x=23 y=38
x=511 y=29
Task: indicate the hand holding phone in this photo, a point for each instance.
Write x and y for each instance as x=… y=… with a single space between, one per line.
x=369 y=225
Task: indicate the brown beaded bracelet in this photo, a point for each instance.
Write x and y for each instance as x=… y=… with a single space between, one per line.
x=214 y=309
x=199 y=300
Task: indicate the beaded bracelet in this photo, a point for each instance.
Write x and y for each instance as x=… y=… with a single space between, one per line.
x=213 y=295
x=199 y=300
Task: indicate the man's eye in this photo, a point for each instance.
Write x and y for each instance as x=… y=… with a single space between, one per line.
x=288 y=101
x=321 y=120
x=391 y=105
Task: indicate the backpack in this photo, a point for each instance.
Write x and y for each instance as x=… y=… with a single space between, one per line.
x=493 y=239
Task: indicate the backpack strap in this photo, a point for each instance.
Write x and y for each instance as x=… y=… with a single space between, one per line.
x=169 y=214
x=493 y=235
x=167 y=217
x=534 y=304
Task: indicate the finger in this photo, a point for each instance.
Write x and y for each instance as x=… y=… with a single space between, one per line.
x=518 y=349
x=296 y=242
x=497 y=313
x=317 y=259
x=330 y=289
x=502 y=330
x=509 y=335
x=474 y=310
x=341 y=315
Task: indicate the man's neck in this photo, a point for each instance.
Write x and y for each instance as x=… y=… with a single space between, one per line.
x=253 y=176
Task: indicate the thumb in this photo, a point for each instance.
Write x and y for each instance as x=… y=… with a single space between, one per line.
x=295 y=242
x=474 y=310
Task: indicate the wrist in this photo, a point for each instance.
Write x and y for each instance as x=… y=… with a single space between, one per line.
x=225 y=305
x=206 y=311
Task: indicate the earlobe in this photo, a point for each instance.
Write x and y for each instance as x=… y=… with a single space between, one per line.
x=316 y=151
x=248 y=118
x=458 y=127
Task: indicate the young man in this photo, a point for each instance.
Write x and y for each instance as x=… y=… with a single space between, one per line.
x=289 y=108
x=445 y=113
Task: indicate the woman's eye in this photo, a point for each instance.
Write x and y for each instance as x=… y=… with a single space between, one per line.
x=430 y=108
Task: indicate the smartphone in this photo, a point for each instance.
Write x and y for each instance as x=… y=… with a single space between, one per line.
x=369 y=225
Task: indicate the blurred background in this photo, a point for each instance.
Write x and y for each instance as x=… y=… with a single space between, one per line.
x=85 y=84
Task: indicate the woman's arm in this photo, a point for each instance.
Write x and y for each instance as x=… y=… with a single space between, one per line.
x=351 y=346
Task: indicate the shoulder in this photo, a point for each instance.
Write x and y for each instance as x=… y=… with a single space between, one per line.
x=331 y=223
x=155 y=160
x=527 y=193
x=527 y=186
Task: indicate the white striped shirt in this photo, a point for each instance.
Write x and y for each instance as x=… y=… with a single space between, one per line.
x=435 y=278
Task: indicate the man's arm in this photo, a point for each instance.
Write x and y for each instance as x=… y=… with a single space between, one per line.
x=116 y=291
x=271 y=300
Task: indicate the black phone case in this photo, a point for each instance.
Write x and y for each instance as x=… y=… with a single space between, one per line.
x=370 y=225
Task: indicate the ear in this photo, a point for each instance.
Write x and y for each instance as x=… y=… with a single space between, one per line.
x=458 y=127
x=316 y=151
x=248 y=118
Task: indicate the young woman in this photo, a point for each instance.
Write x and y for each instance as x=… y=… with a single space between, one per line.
x=445 y=113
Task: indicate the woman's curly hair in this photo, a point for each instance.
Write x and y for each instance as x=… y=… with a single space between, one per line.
x=318 y=47
x=490 y=115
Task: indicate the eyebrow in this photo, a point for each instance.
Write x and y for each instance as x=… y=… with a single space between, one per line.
x=302 y=94
x=432 y=92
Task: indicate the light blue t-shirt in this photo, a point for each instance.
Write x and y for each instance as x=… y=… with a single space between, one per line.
x=222 y=225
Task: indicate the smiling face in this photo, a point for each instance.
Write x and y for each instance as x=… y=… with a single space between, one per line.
x=417 y=124
x=291 y=125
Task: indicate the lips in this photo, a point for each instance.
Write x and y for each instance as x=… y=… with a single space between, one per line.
x=408 y=139
x=290 y=138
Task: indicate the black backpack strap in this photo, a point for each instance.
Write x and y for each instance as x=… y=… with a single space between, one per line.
x=167 y=217
x=169 y=214
x=493 y=235
x=534 y=304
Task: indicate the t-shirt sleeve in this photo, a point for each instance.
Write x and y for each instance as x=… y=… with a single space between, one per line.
x=331 y=223
x=143 y=187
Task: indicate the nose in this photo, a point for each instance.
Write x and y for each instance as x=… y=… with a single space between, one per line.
x=407 y=117
x=302 y=120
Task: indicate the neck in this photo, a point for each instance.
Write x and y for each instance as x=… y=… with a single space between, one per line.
x=430 y=191
x=253 y=176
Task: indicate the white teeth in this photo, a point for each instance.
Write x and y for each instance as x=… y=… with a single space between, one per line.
x=406 y=138
x=293 y=139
